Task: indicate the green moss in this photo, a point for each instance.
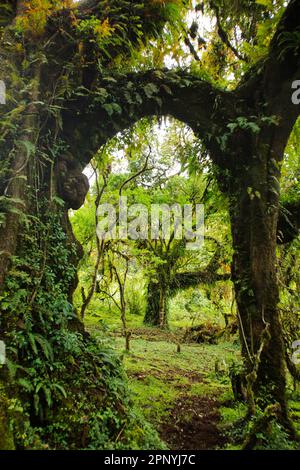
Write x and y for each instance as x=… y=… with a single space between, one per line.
x=159 y=376
x=6 y=436
x=230 y=415
x=69 y=389
x=154 y=397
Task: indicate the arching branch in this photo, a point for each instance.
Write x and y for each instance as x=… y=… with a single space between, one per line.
x=119 y=101
x=209 y=275
x=195 y=278
x=223 y=34
x=192 y=100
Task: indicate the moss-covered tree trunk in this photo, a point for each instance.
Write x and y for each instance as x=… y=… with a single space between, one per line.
x=157 y=304
x=253 y=189
x=254 y=215
x=160 y=292
x=55 y=375
x=19 y=136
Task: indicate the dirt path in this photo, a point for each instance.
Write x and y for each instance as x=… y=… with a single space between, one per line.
x=193 y=420
x=193 y=425
x=190 y=420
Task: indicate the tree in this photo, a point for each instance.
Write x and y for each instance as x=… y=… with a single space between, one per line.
x=245 y=132
x=166 y=284
x=67 y=97
x=46 y=51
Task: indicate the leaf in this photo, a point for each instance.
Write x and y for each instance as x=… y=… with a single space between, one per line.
x=59 y=201
x=48 y=396
x=167 y=89
x=36 y=401
x=46 y=346
x=110 y=79
x=112 y=108
x=61 y=389
x=150 y=89
x=101 y=95
x=26 y=384
x=32 y=343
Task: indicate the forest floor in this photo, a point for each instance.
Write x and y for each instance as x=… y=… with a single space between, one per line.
x=185 y=395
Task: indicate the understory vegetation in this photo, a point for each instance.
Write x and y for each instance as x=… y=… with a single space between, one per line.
x=187 y=397
x=184 y=374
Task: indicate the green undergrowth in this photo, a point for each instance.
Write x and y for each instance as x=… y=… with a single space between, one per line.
x=274 y=437
x=85 y=404
x=60 y=388
x=159 y=376
x=295 y=410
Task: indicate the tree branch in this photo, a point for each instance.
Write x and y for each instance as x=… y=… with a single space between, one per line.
x=88 y=125
x=223 y=34
x=194 y=279
x=266 y=90
x=269 y=82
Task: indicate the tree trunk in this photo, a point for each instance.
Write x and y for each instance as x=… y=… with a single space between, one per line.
x=254 y=214
x=157 y=308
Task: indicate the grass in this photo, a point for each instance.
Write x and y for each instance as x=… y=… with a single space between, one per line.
x=159 y=376
x=295 y=410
